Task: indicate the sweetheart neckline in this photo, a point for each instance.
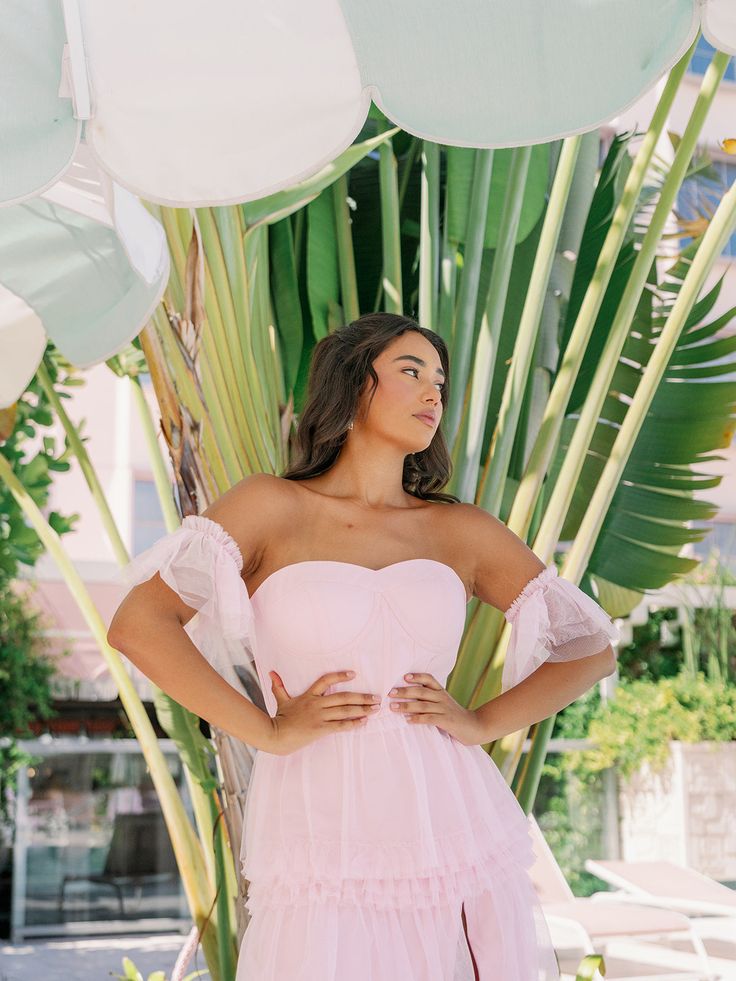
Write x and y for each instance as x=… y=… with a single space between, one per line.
x=365 y=568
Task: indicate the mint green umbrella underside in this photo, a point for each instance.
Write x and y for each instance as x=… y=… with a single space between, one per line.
x=192 y=104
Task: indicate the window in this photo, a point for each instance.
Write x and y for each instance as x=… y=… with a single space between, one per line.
x=148 y=519
x=702 y=57
x=699 y=196
x=91 y=851
x=721 y=538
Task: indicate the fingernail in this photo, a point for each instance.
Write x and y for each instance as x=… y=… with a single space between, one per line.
x=409 y=676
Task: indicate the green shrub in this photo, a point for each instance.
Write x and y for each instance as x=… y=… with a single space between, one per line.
x=638 y=723
x=25 y=667
x=26 y=672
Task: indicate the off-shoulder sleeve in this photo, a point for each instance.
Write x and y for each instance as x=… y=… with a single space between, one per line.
x=201 y=562
x=552 y=619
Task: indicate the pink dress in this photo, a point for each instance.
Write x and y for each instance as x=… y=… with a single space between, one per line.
x=361 y=848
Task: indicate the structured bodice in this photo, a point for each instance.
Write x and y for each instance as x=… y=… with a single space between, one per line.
x=318 y=616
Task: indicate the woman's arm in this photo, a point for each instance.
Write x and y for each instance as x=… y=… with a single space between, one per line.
x=545 y=692
x=148 y=626
x=560 y=635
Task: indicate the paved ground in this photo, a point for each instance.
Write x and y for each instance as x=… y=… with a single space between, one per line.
x=90 y=959
x=635 y=959
x=100 y=958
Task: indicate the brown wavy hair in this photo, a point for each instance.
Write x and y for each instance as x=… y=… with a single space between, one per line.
x=340 y=364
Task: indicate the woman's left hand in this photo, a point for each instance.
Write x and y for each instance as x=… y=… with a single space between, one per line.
x=427 y=702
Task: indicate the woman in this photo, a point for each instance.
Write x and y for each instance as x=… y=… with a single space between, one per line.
x=375 y=826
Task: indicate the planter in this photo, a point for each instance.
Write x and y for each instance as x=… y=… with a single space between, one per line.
x=684 y=813
x=65 y=727
x=102 y=726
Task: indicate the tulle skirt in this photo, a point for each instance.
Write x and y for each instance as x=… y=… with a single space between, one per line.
x=327 y=941
x=363 y=850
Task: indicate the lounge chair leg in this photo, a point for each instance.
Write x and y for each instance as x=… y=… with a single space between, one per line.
x=702 y=953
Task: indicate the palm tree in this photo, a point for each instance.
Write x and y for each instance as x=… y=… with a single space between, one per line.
x=565 y=342
x=540 y=268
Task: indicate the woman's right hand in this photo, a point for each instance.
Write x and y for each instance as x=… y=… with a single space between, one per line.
x=303 y=719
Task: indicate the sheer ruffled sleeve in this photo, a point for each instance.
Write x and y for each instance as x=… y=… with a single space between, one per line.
x=552 y=619
x=202 y=562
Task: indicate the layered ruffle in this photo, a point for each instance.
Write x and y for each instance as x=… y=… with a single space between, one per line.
x=328 y=931
x=553 y=619
x=321 y=826
x=201 y=562
x=465 y=873
x=326 y=942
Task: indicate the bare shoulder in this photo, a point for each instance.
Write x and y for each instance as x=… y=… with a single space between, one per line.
x=253 y=511
x=499 y=563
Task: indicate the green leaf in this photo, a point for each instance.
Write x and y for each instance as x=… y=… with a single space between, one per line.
x=274 y=207
x=63 y=523
x=655 y=504
x=183 y=727
x=588 y=967
x=460 y=166
x=131 y=971
x=323 y=274
x=286 y=301
x=36 y=471
x=43 y=416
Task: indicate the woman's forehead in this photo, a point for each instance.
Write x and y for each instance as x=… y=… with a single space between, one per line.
x=412 y=345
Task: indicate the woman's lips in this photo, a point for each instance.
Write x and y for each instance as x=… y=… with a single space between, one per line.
x=425 y=419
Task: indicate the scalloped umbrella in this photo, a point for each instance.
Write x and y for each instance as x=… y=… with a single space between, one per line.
x=190 y=105
x=225 y=102
x=83 y=264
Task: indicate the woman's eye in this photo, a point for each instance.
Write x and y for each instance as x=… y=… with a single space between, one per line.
x=439 y=384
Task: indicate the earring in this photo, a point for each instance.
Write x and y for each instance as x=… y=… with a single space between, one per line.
x=351 y=425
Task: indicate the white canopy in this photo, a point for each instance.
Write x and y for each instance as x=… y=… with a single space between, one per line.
x=83 y=263
x=193 y=103
x=189 y=104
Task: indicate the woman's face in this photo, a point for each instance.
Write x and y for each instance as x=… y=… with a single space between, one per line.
x=410 y=377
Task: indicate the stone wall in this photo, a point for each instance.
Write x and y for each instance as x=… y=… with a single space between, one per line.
x=685 y=812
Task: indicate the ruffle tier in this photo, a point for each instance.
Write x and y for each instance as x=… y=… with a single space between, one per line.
x=447 y=886
x=330 y=939
x=321 y=826
x=328 y=943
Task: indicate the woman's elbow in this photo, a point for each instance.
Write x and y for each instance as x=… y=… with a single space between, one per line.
x=116 y=632
x=142 y=611
x=607 y=661
x=124 y=619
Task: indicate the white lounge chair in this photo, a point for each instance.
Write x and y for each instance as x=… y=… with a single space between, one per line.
x=666 y=885
x=590 y=923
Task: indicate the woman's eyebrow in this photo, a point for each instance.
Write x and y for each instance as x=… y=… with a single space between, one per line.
x=410 y=357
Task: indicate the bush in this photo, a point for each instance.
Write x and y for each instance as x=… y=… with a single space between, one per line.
x=638 y=724
x=26 y=672
x=25 y=667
